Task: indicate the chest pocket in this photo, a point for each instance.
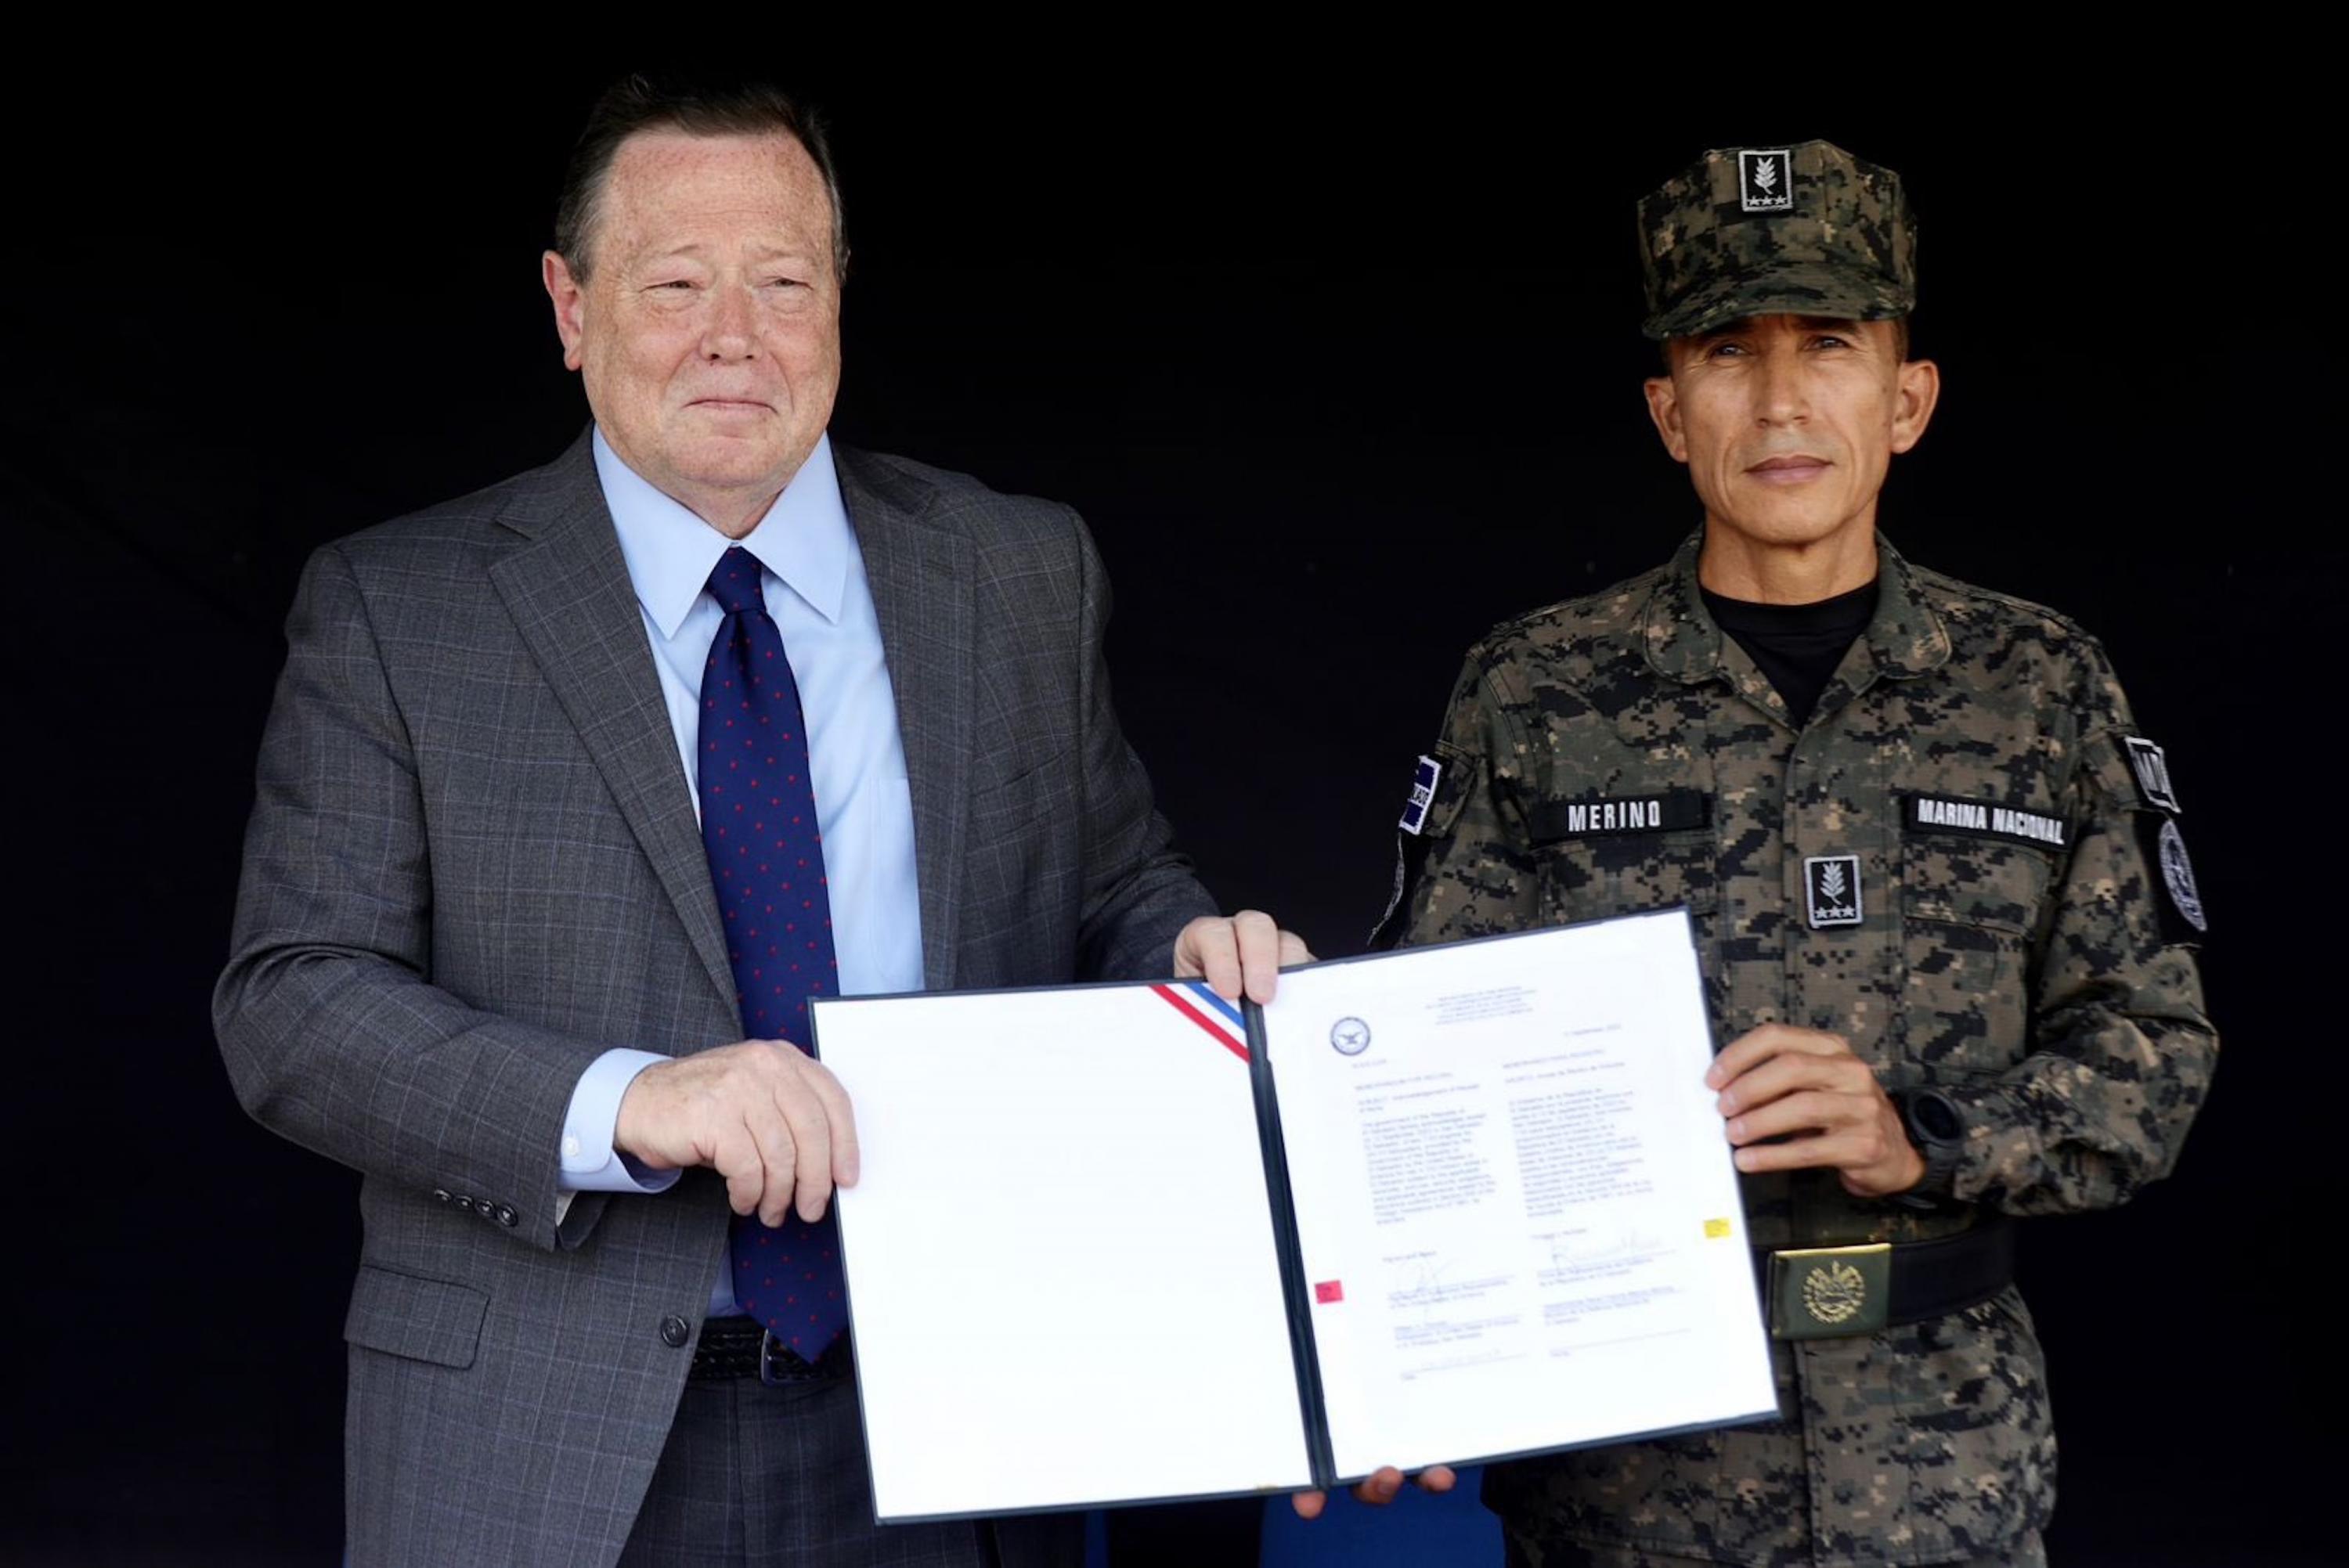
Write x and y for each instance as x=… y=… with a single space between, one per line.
x=1971 y=908
x=1624 y=853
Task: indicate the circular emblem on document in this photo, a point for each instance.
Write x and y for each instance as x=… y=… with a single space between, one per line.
x=1352 y=1036
x=2177 y=874
x=1833 y=1293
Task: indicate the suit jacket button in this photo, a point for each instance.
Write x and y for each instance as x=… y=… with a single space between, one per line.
x=675 y=1331
x=464 y=1202
x=506 y=1216
x=440 y=1195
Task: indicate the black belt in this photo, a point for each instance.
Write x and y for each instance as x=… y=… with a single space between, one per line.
x=739 y=1347
x=1821 y=1292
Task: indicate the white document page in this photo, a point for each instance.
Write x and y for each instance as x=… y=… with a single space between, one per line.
x=1060 y=1265
x=1519 y=1213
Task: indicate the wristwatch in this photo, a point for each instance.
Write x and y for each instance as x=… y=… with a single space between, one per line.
x=1938 y=1127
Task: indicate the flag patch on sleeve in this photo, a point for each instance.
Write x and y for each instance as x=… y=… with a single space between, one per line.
x=1423 y=781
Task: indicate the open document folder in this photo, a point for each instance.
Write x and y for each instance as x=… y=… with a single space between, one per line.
x=1132 y=1242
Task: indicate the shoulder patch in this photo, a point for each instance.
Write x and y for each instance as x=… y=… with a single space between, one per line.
x=1428 y=811
x=1425 y=779
x=2151 y=766
x=1439 y=786
x=2183 y=918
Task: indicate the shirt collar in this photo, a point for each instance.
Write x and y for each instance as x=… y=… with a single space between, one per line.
x=804 y=539
x=1905 y=638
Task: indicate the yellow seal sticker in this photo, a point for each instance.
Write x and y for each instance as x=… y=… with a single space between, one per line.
x=1715 y=1229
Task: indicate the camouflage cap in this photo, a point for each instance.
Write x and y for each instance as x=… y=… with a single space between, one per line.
x=1805 y=230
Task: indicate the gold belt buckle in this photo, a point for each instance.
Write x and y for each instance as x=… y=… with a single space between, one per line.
x=1823 y=1293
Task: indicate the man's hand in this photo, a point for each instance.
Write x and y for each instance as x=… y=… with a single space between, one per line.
x=1807 y=1087
x=1384 y=1487
x=1243 y=953
x=763 y=1114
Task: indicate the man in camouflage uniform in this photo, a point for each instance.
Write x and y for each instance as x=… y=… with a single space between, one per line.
x=1943 y=912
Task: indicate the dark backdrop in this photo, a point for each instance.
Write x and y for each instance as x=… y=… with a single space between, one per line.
x=1341 y=369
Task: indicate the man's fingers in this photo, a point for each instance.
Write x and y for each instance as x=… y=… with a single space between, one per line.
x=1792 y=1072
x=797 y=1103
x=841 y=1117
x=734 y=1154
x=1217 y=952
x=770 y=1120
x=778 y=1159
x=1769 y=1079
x=1795 y=1073
x=1810 y=1110
x=1759 y=1044
x=1259 y=953
x=1839 y=1150
x=1238 y=956
x=1381 y=1488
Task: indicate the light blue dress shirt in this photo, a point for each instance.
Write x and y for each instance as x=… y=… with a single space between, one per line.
x=822 y=601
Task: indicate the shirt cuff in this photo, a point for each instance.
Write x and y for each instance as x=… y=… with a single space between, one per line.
x=2002 y=1144
x=589 y=1163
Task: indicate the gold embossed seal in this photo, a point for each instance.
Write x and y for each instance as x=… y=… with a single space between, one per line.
x=1834 y=1292
x=1819 y=1293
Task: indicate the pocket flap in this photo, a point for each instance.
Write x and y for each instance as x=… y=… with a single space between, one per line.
x=1957 y=880
x=406 y=1314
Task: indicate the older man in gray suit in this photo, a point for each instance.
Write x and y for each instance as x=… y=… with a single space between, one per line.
x=480 y=954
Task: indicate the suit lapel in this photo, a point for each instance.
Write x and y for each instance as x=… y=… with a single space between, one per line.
x=569 y=594
x=921 y=578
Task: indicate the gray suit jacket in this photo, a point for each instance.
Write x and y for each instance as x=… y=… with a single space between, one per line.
x=473 y=865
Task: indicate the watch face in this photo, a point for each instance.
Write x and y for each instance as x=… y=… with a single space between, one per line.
x=1932 y=1115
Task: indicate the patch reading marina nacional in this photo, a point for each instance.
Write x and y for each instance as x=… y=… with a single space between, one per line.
x=1982 y=819
x=1424 y=781
x=1765 y=182
x=1831 y=887
x=2152 y=768
x=1602 y=816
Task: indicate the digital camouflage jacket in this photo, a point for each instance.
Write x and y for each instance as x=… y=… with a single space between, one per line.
x=1998 y=905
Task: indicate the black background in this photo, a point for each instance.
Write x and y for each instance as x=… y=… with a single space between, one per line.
x=1341 y=366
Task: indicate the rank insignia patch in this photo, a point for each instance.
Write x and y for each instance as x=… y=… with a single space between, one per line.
x=1831 y=885
x=1765 y=182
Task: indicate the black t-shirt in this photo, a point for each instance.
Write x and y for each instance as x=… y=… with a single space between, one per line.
x=1796 y=646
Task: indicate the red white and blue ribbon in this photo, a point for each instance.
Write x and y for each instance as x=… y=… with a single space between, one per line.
x=1196 y=1000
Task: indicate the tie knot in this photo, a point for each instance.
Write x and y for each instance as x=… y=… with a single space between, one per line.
x=734 y=583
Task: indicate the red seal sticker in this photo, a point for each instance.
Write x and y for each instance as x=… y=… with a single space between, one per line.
x=1328 y=1290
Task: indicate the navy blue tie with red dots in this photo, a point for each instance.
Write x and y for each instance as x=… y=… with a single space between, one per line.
x=766 y=860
